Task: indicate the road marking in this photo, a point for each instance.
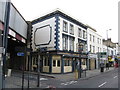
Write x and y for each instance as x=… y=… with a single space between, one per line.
x=68 y=83
x=114 y=76
x=65 y=84
x=43 y=79
x=102 y=84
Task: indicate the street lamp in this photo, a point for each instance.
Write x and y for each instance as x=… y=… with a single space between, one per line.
x=107 y=42
x=80 y=51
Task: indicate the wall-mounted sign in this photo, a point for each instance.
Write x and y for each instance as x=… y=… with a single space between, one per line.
x=92 y=56
x=20 y=54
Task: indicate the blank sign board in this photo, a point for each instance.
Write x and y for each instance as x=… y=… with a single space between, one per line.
x=42 y=35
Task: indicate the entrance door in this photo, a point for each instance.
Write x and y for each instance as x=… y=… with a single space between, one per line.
x=56 y=64
x=92 y=64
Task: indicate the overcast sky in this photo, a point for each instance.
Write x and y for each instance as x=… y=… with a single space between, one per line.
x=99 y=14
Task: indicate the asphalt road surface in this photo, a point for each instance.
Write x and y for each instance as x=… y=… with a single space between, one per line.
x=104 y=80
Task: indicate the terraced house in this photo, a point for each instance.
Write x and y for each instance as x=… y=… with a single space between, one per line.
x=60 y=48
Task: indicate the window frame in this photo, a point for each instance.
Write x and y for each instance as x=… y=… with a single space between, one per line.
x=90 y=48
x=84 y=34
x=65 y=26
x=90 y=37
x=54 y=64
x=93 y=38
x=71 y=43
x=65 y=42
x=80 y=32
x=46 y=60
x=71 y=29
x=59 y=63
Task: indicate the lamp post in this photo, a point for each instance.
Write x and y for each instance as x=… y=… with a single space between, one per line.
x=80 y=51
x=5 y=40
x=107 y=43
x=38 y=43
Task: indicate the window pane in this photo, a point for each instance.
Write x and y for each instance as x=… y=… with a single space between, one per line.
x=58 y=63
x=65 y=42
x=84 y=34
x=70 y=63
x=79 y=32
x=90 y=37
x=54 y=63
x=71 y=29
x=66 y=62
x=71 y=43
x=45 y=59
x=65 y=26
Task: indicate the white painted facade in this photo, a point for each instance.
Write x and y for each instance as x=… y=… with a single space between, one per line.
x=50 y=22
x=76 y=27
x=95 y=45
x=67 y=33
x=116 y=49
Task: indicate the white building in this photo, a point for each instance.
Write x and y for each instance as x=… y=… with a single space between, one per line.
x=94 y=42
x=62 y=50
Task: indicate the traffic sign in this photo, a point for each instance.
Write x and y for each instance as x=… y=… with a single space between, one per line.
x=20 y=54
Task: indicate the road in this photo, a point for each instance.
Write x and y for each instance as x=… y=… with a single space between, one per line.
x=103 y=80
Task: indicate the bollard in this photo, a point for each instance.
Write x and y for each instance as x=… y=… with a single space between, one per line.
x=85 y=72
x=9 y=72
x=76 y=74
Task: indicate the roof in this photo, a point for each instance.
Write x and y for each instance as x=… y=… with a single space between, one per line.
x=60 y=13
x=91 y=28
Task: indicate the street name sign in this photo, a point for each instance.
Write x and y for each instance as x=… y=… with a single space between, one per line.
x=20 y=54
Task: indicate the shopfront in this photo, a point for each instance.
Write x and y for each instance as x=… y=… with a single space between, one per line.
x=17 y=36
x=58 y=63
x=93 y=61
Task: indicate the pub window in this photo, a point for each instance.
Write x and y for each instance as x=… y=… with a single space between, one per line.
x=98 y=40
x=84 y=35
x=46 y=62
x=90 y=48
x=54 y=63
x=71 y=29
x=79 y=32
x=35 y=61
x=71 y=43
x=66 y=63
x=65 y=42
x=65 y=26
x=90 y=37
x=93 y=38
x=58 y=63
x=70 y=63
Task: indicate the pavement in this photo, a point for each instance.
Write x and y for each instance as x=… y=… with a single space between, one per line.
x=15 y=80
x=104 y=80
x=71 y=76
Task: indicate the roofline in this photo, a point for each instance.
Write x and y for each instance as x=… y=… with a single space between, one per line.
x=94 y=30
x=91 y=28
x=59 y=12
